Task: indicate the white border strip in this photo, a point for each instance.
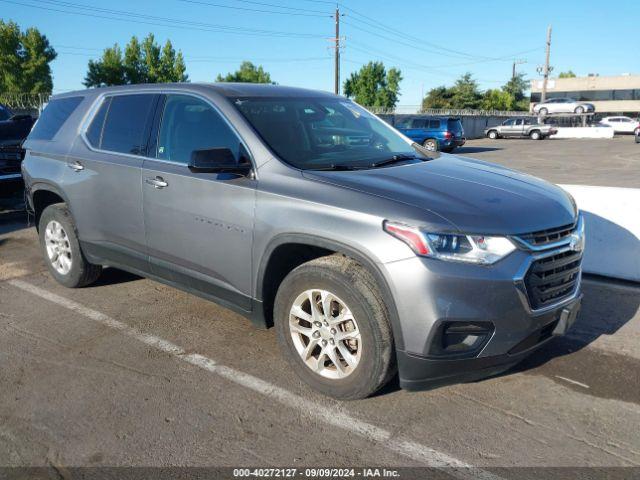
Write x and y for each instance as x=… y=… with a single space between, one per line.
x=332 y=416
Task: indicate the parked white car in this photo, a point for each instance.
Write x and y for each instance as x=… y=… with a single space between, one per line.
x=562 y=105
x=622 y=124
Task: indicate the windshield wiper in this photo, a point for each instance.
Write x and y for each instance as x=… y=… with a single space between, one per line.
x=338 y=167
x=401 y=157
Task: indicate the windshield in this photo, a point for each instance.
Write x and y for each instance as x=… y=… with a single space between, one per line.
x=317 y=133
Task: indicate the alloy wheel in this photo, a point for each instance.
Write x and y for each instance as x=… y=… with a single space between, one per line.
x=325 y=334
x=58 y=247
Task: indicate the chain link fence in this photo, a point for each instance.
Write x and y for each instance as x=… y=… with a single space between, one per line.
x=24 y=102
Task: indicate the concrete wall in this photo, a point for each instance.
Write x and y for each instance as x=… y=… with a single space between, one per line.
x=612 y=223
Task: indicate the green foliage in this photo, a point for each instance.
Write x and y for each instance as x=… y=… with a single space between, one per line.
x=567 y=74
x=24 y=60
x=465 y=94
x=247 y=73
x=497 y=100
x=373 y=86
x=142 y=62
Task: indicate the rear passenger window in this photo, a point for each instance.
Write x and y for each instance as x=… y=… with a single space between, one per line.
x=122 y=124
x=435 y=124
x=189 y=124
x=418 y=123
x=53 y=117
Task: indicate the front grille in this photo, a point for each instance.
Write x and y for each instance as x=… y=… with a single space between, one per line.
x=551 y=279
x=546 y=237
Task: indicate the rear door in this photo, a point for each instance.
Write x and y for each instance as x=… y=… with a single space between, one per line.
x=103 y=182
x=417 y=130
x=199 y=226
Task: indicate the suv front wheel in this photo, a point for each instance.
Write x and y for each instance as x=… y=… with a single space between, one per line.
x=333 y=327
x=61 y=249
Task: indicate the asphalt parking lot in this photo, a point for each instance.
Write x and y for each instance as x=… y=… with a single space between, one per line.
x=604 y=162
x=129 y=372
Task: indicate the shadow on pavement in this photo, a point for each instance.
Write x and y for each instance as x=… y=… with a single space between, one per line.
x=463 y=150
x=113 y=276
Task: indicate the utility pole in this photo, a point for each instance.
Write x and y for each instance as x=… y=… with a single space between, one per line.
x=336 y=87
x=545 y=71
x=513 y=70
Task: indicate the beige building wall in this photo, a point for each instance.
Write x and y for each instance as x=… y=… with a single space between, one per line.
x=592 y=84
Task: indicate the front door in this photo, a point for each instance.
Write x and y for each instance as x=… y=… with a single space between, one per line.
x=199 y=226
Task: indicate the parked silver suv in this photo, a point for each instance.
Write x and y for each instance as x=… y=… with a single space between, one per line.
x=301 y=209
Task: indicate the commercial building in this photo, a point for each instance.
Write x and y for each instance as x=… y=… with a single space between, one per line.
x=619 y=95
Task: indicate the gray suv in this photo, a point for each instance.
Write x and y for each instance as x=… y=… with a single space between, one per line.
x=302 y=210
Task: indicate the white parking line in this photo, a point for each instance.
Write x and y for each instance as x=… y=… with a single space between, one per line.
x=416 y=451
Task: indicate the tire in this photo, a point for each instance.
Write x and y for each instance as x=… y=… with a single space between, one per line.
x=493 y=135
x=61 y=249
x=352 y=289
x=535 y=135
x=431 y=144
x=579 y=110
x=543 y=112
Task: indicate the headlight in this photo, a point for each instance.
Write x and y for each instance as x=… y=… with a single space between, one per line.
x=480 y=249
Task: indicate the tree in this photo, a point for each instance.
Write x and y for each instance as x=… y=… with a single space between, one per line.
x=373 y=86
x=247 y=73
x=465 y=93
x=497 y=100
x=439 y=97
x=25 y=59
x=109 y=70
x=142 y=63
x=516 y=87
x=567 y=74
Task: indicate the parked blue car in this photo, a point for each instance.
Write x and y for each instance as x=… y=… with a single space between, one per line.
x=434 y=133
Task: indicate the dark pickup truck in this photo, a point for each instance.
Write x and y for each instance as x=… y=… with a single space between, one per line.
x=13 y=130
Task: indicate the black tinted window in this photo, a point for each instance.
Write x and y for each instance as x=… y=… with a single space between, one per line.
x=419 y=123
x=189 y=124
x=53 y=117
x=94 y=132
x=4 y=113
x=127 y=122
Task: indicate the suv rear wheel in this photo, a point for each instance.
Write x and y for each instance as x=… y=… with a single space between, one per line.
x=61 y=249
x=430 y=144
x=333 y=328
x=535 y=135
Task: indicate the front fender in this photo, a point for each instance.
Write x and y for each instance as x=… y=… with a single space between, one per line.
x=339 y=247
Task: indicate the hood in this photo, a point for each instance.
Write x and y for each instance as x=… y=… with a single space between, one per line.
x=477 y=197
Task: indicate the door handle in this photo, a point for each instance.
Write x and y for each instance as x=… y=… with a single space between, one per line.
x=157 y=182
x=76 y=166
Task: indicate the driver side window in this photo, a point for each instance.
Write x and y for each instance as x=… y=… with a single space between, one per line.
x=188 y=124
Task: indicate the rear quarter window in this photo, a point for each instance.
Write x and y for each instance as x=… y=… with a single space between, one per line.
x=53 y=117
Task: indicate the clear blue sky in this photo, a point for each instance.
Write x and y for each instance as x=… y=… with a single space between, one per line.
x=588 y=36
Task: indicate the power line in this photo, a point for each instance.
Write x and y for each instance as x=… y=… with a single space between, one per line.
x=287 y=7
x=439 y=48
x=246 y=9
x=161 y=21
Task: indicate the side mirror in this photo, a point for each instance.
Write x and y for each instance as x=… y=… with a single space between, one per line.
x=215 y=160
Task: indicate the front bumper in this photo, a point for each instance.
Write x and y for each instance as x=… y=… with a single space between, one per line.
x=431 y=293
x=419 y=373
